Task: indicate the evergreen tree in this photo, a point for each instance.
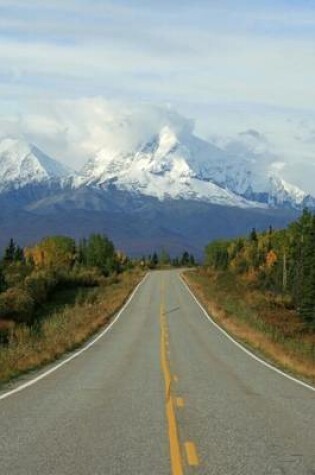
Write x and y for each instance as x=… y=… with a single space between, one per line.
x=9 y=252
x=164 y=258
x=253 y=235
x=18 y=254
x=155 y=259
x=307 y=301
x=175 y=262
x=185 y=259
x=2 y=280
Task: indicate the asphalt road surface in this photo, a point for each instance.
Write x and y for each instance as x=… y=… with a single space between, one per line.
x=162 y=392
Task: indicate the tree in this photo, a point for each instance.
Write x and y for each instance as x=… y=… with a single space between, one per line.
x=307 y=303
x=154 y=259
x=175 y=262
x=9 y=252
x=82 y=252
x=185 y=259
x=18 y=254
x=55 y=252
x=164 y=258
x=270 y=232
x=192 y=261
x=2 y=280
x=217 y=255
x=253 y=235
x=100 y=253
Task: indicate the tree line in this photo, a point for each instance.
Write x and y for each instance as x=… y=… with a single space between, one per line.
x=28 y=277
x=280 y=261
x=163 y=258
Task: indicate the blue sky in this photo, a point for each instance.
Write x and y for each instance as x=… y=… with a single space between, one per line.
x=228 y=65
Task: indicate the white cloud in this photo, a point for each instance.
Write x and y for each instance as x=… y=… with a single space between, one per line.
x=140 y=54
x=74 y=130
x=233 y=69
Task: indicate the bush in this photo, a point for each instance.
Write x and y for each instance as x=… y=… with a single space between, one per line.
x=15 y=273
x=16 y=304
x=40 y=284
x=86 y=296
x=80 y=278
x=6 y=329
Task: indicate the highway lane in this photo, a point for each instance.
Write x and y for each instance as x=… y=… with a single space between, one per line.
x=163 y=392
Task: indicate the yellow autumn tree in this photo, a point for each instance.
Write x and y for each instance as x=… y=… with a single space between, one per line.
x=271 y=259
x=56 y=252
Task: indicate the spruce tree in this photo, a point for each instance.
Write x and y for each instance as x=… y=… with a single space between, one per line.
x=18 y=254
x=253 y=235
x=307 y=303
x=185 y=259
x=155 y=259
x=9 y=252
x=2 y=281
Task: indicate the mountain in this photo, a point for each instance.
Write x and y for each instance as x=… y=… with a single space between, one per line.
x=173 y=191
x=167 y=167
x=22 y=164
x=137 y=224
x=175 y=165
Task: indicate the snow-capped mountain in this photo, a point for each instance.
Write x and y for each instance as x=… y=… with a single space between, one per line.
x=169 y=166
x=251 y=170
x=173 y=164
x=23 y=164
x=182 y=166
x=173 y=191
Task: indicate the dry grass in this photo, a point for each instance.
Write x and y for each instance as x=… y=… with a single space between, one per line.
x=66 y=329
x=260 y=320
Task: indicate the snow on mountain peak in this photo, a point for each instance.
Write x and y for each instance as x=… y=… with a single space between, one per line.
x=22 y=163
x=172 y=164
x=176 y=164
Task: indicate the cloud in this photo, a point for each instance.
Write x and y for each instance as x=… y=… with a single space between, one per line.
x=249 y=68
x=144 y=51
x=74 y=130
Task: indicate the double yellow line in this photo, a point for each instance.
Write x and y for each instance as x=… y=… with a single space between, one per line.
x=176 y=457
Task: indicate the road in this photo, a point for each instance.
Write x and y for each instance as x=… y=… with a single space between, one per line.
x=162 y=392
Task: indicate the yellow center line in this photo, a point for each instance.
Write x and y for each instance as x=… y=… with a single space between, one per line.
x=175 y=452
x=180 y=402
x=191 y=454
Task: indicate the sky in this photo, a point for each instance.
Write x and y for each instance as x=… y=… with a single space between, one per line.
x=75 y=73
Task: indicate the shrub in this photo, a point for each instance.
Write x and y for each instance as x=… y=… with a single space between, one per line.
x=80 y=278
x=15 y=273
x=16 y=304
x=6 y=329
x=40 y=284
x=55 y=252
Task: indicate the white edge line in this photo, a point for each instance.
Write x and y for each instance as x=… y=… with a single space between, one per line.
x=241 y=347
x=77 y=353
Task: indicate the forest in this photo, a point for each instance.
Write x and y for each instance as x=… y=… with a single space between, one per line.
x=281 y=262
x=31 y=277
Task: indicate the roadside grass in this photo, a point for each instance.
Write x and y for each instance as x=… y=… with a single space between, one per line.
x=68 y=321
x=261 y=320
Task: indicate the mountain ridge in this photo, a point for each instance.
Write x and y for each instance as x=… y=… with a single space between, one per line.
x=171 y=165
x=167 y=192
x=22 y=164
